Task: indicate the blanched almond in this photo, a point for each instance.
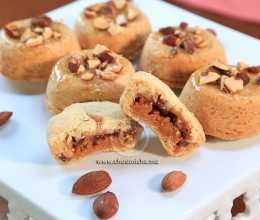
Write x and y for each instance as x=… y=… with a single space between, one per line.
x=99 y=49
x=120 y=4
x=233 y=85
x=32 y=42
x=89 y=13
x=47 y=34
x=87 y=76
x=101 y=23
x=116 y=68
x=108 y=75
x=27 y=34
x=56 y=35
x=121 y=20
x=221 y=66
x=114 y=29
x=210 y=77
x=93 y=63
x=241 y=65
x=132 y=14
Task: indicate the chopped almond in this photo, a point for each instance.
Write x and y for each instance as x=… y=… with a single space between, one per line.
x=132 y=14
x=222 y=79
x=81 y=69
x=114 y=29
x=221 y=66
x=241 y=65
x=27 y=34
x=32 y=42
x=93 y=63
x=233 y=85
x=203 y=44
x=87 y=76
x=90 y=14
x=121 y=20
x=107 y=75
x=47 y=34
x=120 y=4
x=210 y=77
x=56 y=35
x=101 y=23
x=99 y=49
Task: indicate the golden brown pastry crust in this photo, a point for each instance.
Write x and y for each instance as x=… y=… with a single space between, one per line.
x=24 y=62
x=127 y=40
x=174 y=66
x=228 y=116
x=65 y=88
x=149 y=100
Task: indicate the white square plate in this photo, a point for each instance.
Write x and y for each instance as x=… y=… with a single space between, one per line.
x=29 y=175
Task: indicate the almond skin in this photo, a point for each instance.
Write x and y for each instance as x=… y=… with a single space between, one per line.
x=106 y=205
x=173 y=181
x=91 y=183
x=4 y=117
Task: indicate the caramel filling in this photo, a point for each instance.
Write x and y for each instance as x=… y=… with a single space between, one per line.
x=89 y=144
x=171 y=127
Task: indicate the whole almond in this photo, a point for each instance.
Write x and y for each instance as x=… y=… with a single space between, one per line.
x=4 y=117
x=106 y=205
x=91 y=183
x=173 y=181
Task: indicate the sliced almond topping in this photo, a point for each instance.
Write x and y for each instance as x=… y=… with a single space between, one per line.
x=121 y=20
x=114 y=29
x=120 y=4
x=233 y=85
x=47 y=34
x=93 y=63
x=210 y=77
x=87 y=76
x=116 y=68
x=101 y=23
x=32 y=42
x=132 y=14
x=99 y=49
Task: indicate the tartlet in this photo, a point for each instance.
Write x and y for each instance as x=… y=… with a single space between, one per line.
x=89 y=75
x=117 y=24
x=225 y=99
x=29 y=48
x=174 y=53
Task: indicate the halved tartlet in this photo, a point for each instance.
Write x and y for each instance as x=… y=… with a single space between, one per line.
x=85 y=128
x=150 y=101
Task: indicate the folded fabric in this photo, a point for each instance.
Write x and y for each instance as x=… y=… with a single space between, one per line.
x=241 y=10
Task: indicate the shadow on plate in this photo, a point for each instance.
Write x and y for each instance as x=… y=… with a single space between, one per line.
x=220 y=145
x=21 y=87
